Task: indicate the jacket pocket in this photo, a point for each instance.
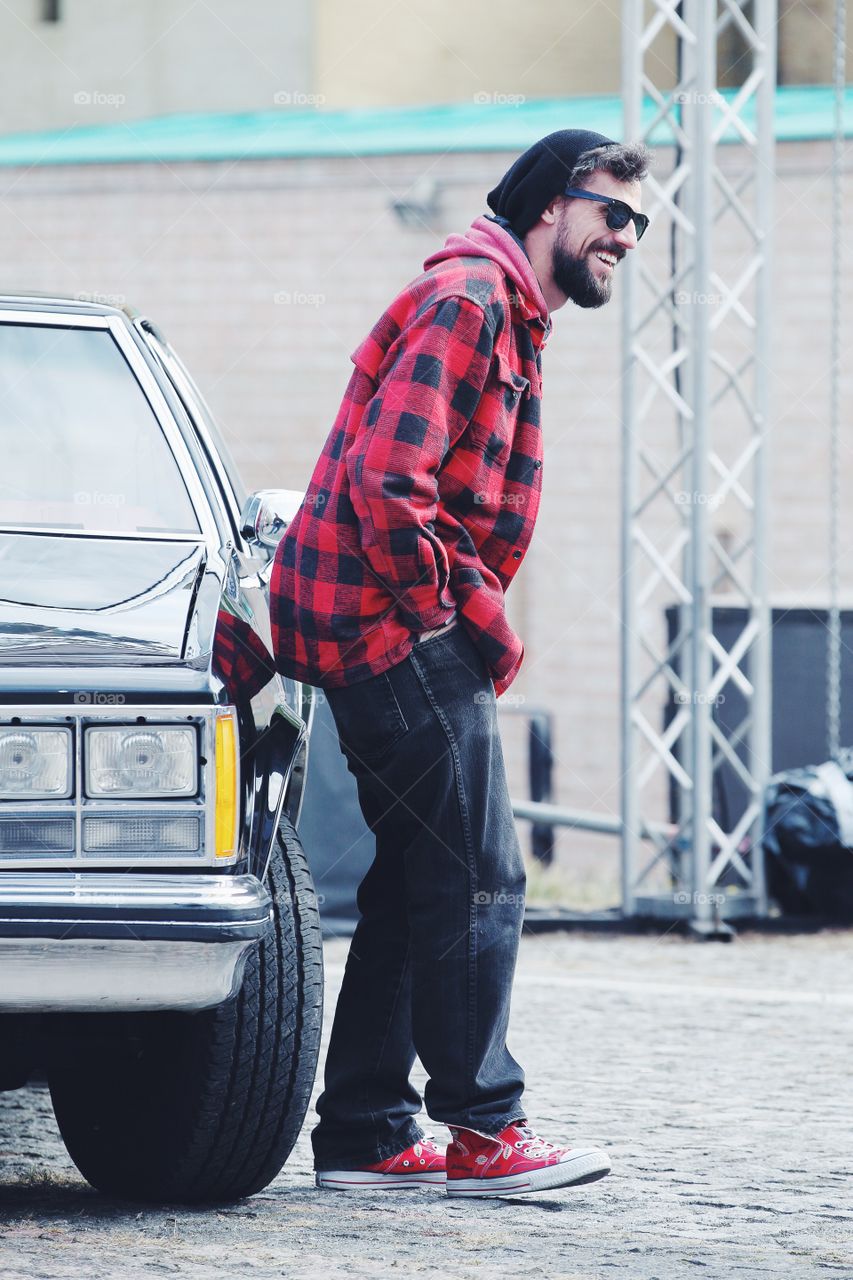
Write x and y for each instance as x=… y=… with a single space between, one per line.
x=515 y=384
x=495 y=437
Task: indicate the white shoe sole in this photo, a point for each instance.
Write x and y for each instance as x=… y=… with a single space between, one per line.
x=578 y=1168
x=358 y=1180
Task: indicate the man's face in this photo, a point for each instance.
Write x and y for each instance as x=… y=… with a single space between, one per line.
x=581 y=233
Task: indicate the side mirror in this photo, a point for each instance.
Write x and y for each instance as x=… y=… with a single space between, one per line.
x=266 y=515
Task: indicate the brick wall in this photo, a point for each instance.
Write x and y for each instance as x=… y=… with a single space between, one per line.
x=266 y=275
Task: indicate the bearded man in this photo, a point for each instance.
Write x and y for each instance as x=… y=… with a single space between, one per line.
x=388 y=593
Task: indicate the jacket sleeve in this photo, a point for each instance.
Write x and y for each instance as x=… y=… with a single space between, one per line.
x=440 y=364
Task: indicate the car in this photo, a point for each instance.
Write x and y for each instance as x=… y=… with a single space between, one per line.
x=160 y=948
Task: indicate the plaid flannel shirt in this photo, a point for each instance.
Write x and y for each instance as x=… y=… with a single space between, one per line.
x=425 y=495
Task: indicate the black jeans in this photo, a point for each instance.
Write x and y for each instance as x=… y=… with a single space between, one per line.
x=431 y=964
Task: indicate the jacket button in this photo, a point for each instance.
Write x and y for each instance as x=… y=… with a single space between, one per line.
x=516 y=555
x=537 y=464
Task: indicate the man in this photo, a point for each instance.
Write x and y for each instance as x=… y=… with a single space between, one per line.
x=388 y=593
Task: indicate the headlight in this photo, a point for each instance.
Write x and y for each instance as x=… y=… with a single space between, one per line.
x=141 y=760
x=35 y=763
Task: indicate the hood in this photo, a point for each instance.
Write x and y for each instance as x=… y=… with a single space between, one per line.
x=487 y=238
x=91 y=600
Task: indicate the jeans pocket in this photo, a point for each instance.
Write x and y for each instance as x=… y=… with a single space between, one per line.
x=368 y=717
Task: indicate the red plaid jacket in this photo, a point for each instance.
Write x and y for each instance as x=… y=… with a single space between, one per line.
x=424 y=498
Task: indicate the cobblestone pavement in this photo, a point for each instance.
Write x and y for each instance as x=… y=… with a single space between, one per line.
x=717 y=1076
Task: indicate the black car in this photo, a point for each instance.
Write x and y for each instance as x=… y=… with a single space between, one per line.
x=160 y=949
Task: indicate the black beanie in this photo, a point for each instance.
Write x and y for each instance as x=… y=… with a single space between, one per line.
x=541 y=173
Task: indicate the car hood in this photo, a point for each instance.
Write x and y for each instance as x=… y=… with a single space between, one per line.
x=66 y=600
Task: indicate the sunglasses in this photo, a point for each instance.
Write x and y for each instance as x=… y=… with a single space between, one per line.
x=619 y=214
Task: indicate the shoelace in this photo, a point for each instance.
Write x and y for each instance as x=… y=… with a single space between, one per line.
x=532 y=1145
x=429 y=1146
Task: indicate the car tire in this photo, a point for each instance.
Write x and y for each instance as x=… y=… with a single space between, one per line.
x=203 y=1107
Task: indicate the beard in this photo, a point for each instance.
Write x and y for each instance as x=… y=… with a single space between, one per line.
x=574 y=278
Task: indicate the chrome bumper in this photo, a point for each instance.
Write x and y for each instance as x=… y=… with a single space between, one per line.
x=85 y=942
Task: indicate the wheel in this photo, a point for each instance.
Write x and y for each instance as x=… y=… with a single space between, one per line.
x=206 y=1106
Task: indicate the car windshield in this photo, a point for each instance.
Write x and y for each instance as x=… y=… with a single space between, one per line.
x=81 y=446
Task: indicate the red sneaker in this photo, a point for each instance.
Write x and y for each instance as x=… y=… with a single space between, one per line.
x=516 y=1160
x=418 y=1166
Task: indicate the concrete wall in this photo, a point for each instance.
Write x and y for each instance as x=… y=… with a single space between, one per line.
x=108 y=60
x=266 y=275
x=439 y=51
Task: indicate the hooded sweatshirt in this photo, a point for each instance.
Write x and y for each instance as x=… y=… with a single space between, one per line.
x=423 y=501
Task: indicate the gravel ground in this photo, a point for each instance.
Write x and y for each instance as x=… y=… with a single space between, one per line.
x=717 y=1076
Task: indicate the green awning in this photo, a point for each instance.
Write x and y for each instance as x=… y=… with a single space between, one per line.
x=803 y=113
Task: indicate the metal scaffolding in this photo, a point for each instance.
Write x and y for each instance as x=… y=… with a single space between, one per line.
x=695 y=409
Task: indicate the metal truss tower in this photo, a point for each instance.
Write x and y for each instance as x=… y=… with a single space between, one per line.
x=695 y=695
